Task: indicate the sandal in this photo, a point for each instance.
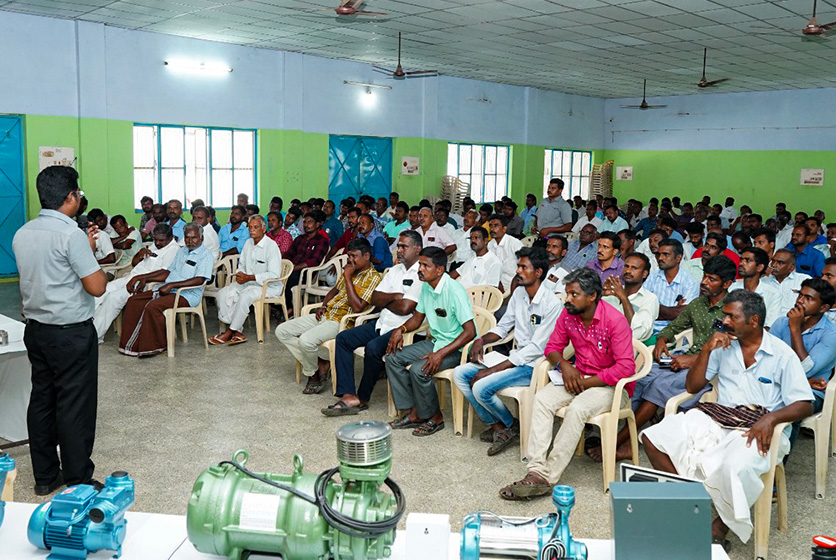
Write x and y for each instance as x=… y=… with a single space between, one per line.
x=237 y=339
x=340 y=408
x=315 y=387
x=487 y=435
x=529 y=487
x=405 y=423
x=503 y=439
x=217 y=341
x=428 y=428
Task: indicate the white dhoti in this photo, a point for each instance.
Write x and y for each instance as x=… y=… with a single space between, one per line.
x=234 y=301
x=110 y=304
x=731 y=472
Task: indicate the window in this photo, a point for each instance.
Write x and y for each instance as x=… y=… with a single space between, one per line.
x=573 y=166
x=484 y=167
x=187 y=163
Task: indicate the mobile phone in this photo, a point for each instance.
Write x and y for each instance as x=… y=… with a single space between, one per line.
x=719 y=326
x=679 y=298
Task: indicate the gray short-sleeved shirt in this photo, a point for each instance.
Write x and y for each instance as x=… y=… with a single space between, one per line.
x=53 y=255
x=554 y=213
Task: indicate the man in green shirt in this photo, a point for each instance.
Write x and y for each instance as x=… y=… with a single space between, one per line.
x=394 y=227
x=667 y=376
x=448 y=311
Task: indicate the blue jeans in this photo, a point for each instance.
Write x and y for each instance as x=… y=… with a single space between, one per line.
x=346 y=343
x=488 y=406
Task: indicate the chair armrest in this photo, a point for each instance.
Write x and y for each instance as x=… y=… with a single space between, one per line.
x=365 y=318
x=266 y=283
x=353 y=317
x=508 y=338
x=178 y=291
x=674 y=402
x=774 y=443
x=310 y=308
x=408 y=337
x=829 y=395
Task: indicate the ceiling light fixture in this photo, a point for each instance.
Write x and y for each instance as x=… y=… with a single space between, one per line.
x=368 y=87
x=203 y=67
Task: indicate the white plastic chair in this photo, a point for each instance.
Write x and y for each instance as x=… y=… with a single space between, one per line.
x=823 y=426
x=309 y=285
x=262 y=305
x=774 y=478
x=170 y=322
x=486 y=297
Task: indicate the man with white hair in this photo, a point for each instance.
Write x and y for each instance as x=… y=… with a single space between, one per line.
x=261 y=260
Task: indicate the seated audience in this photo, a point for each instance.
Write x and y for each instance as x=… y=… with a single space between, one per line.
x=612 y=221
x=277 y=233
x=649 y=247
x=461 y=237
x=252 y=210
x=829 y=276
x=581 y=250
x=174 y=211
x=648 y=223
x=260 y=261
x=588 y=218
x=753 y=263
x=143 y=322
x=764 y=239
x=668 y=225
x=104 y=252
x=529 y=212
x=157 y=217
x=242 y=200
x=446 y=307
x=674 y=287
x=628 y=239
x=505 y=248
x=715 y=244
x=233 y=236
x=483 y=268
x=730 y=461
x=396 y=296
x=97 y=217
x=628 y=295
x=110 y=304
x=381 y=255
x=433 y=235
x=147 y=205
x=556 y=246
x=202 y=216
x=128 y=240
x=515 y=221
x=696 y=233
x=352 y=294
x=398 y=223
x=349 y=234
x=293 y=221
x=531 y=313
x=808 y=260
x=603 y=346
x=785 y=278
x=306 y=251
x=607 y=262
x=332 y=225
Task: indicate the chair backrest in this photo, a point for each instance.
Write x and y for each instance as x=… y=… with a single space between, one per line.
x=227 y=267
x=287 y=270
x=529 y=240
x=486 y=297
x=483 y=319
x=643 y=357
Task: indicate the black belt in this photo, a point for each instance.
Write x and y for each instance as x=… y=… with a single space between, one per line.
x=69 y=326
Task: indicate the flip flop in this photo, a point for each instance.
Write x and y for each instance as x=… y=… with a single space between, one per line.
x=339 y=408
x=428 y=428
x=215 y=341
x=237 y=339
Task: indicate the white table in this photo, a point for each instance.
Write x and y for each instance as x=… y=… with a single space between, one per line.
x=15 y=382
x=153 y=536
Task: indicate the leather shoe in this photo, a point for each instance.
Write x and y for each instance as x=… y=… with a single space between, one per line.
x=45 y=489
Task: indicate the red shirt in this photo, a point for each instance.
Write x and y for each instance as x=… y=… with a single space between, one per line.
x=730 y=254
x=282 y=238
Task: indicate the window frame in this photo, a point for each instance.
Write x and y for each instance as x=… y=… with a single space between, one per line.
x=209 y=167
x=484 y=147
x=570 y=188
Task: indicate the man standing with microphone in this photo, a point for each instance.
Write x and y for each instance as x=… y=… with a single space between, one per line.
x=59 y=277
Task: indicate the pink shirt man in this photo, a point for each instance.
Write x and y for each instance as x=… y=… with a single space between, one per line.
x=605 y=349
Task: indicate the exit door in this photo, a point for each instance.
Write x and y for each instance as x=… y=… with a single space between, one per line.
x=359 y=165
x=12 y=210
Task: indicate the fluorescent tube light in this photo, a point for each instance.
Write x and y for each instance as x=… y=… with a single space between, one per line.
x=365 y=85
x=203 y=67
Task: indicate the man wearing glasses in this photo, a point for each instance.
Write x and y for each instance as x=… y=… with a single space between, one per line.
x=59 y=277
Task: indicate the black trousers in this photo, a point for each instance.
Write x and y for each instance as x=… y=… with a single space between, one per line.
x=292 y=281
x=62 y=407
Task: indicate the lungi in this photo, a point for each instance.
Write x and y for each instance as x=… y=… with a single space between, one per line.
x=143 y=323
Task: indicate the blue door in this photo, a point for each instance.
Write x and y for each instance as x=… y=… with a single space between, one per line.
x=359 y=165
x=12 y=210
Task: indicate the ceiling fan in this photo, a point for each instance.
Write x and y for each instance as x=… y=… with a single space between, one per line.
x=399 y=74
x=703 y=83
x=812 y=29
x=644 y=105
x=348 y=8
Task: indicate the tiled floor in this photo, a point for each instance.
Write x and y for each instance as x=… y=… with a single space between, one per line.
x=165 y=420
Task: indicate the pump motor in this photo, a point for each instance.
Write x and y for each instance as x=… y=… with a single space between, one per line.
x=234 y=511
x=82 y=519
x=545 y=537
x=7 y=464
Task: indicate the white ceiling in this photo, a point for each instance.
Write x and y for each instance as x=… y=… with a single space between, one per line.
x=600 y=48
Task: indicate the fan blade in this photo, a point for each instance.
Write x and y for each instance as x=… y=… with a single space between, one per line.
x=383 y=69
x=715 y=82
x=828 y=26
x=655 y=106
x=364 y=13
x=419 y=72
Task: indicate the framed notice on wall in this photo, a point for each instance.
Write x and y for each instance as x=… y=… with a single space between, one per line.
x=812 y=177
x=410 y=166
x=624 y=173
x=49 y=156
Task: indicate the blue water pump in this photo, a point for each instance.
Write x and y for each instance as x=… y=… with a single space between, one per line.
x=81 y=519
x=6 y=464
x=545 y=537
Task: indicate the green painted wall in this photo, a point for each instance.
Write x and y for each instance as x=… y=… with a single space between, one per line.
x=757 y=178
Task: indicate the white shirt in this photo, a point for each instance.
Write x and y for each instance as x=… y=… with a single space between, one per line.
x=774 y=381
x=645 y=306
x=783 y=237
x=435 y=236
x=616 y=226
x=164 y=258
x=263 y=260
x=211 y=241
x=458 y=219
x=104 y=246
x=532 y=321
x=506 y=251
x=644 y=248
x=554 y=279
x=694 y=268
x=771 y=298
x=787 y=290
x=729 y=213
x=480 y=271
x=128 y=254
x=462 y=239
x=399 y=280
x=583 y=220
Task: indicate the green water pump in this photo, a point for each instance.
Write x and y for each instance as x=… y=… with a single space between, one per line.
x=234 y=511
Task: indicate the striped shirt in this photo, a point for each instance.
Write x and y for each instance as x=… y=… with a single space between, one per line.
x=364 y=283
